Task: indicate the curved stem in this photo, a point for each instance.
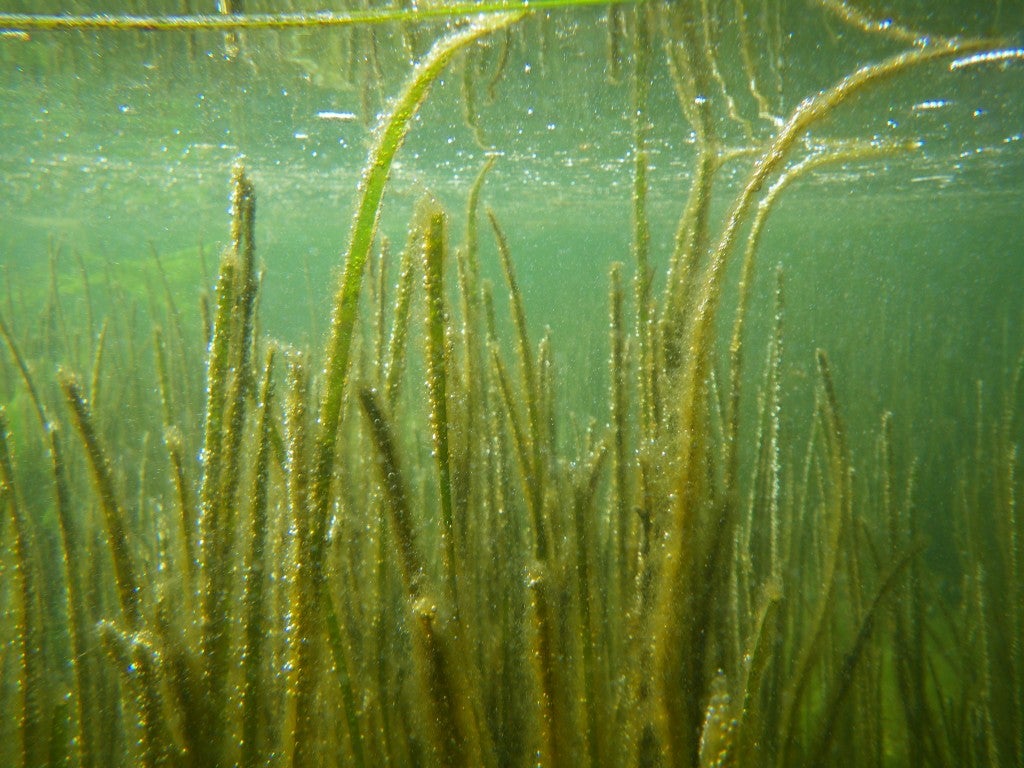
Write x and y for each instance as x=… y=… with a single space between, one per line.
x=390 y=135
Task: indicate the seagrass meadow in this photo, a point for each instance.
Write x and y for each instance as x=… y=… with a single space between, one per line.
x=566 y=384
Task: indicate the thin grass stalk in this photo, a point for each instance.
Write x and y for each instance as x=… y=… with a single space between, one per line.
x=764 y=110
x=501 y=535
x=474 y=379
x=470 y=108
x=30 y=675
x=109 y=720
x=83 y=745
x=394 y=362
x=594 y=652
x=717 y=430
x=374 y=81
x=1015 y=594
x=534 y=470
x=243 y=243
x=142 y=519
x=285 y=21
x=97 y=365
x=56 y=317
x=637 y=743
x=472 y=243
x=759 y=651
x=456 y=732
x=187 y=514
x=453 y=724
x=560 y=617
x=182 y=350
x=743 y=565
x=927 y=730
x=219 y=518
x=886 y=27
x=691 y=67
x=771 y=29
x=711 y=46
x=815 y=539
x=500 y=66
x=210 y=524
x=9 y=292
x=7 y=374
x=614 y=45
x=410 y=561
x=541 y=33
x=126 y=325
x=128 y=585
x=546 y=407
x=774 y=434
x=163 y=382
x=551 y=727
x=389 y=137
x=621 y=535
x=812 y=642
x=986 y=705
x=691 y=235
x=766 y=483
x=522 y=445
x=304 y=642
x=845 y=675
x=26 y=374
x=472 y=449
x=380 y=321
x=523 y=346
x=836 y=431
x=765 y=206
x=437 y=362
x=341 y=653
x=1005 y=451
x=548 y=746
x=139 y=663
x=90 y=323
x=206 y=317
x=973 y=534
x=718 y=732
x=641 y=245
x=254 y=693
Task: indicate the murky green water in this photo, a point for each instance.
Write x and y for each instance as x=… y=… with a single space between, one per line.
x=894 y=588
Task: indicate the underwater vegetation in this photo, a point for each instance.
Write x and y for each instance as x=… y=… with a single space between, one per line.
x=402 y=547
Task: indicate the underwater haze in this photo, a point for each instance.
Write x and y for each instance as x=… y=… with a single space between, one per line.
x=498 y=384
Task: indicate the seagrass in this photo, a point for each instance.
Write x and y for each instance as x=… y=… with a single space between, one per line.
x=391 y=134
x=437 y=353
x=418 y=554
x=532 y=459
x=253 y=695
x=241 y=21
x=71 y=558
x=28 y=653
x=128 y=586
x=393 y=362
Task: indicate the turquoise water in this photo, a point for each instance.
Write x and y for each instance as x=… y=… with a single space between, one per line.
x=132 y=153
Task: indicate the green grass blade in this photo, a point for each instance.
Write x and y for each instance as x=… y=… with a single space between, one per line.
x=390 y=136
